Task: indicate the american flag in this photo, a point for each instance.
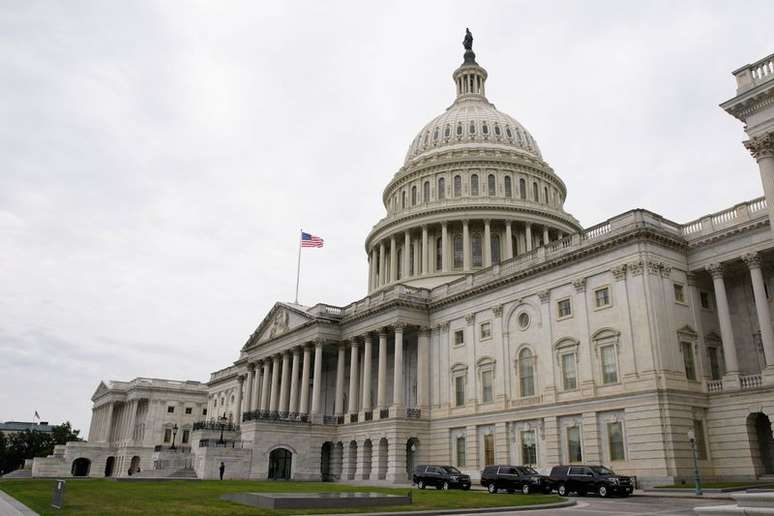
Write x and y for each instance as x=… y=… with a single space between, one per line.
x=309 y=240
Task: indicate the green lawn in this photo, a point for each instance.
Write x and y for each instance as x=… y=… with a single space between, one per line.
x=203 y=497
x=716 y=485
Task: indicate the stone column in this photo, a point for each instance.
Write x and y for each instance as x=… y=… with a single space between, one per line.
x=762 y=149
x=354 y=382
x=250 y=382
x=393 y=259
x=406 y=254
x=339 y=405
x=487 y=243
x=423 y=370
x=304 y=408
x=238 y=406
x=381 y=381
x=753 y=261
x=265 y=389
x=293 y=405
x=382 y=272
x=724 y=317
x=425 y=253
x=508 y=240
x=546 y=236
x=398 y=387
x=444 y=247
x=285 y=386
x=365 y=400
x=465 y=246
x=256 y=387
x=370 y=270
x=528 y=237
x=275 y=381
x=317 y=385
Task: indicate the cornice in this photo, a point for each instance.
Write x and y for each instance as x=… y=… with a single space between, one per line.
x=728 y=232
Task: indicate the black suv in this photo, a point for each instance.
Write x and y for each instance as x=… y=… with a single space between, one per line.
x=590 y=479
x=515 y=478
x=442 y=477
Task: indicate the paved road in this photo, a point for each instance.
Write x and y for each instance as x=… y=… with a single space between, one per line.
x=632 y=506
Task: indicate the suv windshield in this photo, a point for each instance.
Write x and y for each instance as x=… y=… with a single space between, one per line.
x=452 y=470
x=601 y=470
x=526 y=470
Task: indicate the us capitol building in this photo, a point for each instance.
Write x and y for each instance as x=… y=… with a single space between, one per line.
x=496 y=329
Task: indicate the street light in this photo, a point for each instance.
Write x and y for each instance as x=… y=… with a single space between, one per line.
x=174 y=434
x=696 y=476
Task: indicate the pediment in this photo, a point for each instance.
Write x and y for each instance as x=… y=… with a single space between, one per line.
x=100 y=391
x=281 y=319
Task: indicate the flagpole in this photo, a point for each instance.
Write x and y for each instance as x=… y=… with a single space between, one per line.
x=298 y=267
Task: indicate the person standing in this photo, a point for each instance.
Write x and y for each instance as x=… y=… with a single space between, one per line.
x=222 y=468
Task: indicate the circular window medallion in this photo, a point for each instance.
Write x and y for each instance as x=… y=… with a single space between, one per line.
x=523 y=320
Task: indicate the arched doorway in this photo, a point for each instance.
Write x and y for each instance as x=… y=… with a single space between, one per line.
x=352 y=465
x=412 y=447
x=134 y=465
x=81 y=467
x=109 y=465
x=326 y=456
x=761 y=442
x=383 y=450
x=367 y=456
x=280 y=461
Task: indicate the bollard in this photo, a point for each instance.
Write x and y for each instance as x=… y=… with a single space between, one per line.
x=58 y=500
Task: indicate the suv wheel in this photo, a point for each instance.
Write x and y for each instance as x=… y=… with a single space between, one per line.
x=492 y=488
x=602 y=491
x=421 y=484
x=525 y=489
x=562 y=490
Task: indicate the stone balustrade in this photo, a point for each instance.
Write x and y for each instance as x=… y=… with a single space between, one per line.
x=751 y=75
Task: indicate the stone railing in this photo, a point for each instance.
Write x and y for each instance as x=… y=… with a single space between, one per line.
x=223 y=373
x=750 y=76
x=750 y=381
x=715 y=386
x=214 y=424
x=267 y=415
x=324 y=310
x=738 y=214
x=217 y=443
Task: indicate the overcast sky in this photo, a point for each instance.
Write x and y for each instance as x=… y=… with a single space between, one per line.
x=158 y=158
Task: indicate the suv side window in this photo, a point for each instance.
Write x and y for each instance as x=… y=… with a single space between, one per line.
x=587 y=471
x=576 y=471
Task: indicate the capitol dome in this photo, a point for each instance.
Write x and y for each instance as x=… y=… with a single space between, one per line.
x=473 y=192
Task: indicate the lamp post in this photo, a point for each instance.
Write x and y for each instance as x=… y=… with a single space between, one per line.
x=222 y=426
x=696 y=476
x=174 y=434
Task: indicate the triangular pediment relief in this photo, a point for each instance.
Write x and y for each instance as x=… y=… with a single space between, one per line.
x=281 y=319
x=101 y=390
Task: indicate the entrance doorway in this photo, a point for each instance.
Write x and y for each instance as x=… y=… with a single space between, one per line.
x=760 y=428
x=326 y=454
x=280 y=461
x=412 y=446
x=81 y=467
x=134 y=465
x=110 y=463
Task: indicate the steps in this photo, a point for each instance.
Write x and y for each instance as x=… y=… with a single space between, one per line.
x=162 y=474
x=19 y=473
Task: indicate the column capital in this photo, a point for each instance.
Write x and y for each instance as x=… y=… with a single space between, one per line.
x=400 y=326
x=297 y=349
x=761 y=146
x=715 y=269
x=423 y=330
x=487 y=221
x=251 y=366
x=544 y=295
x=497 y=310
x=444 y=224
x=580 y=285
x=470 y=319
x=619 y=272
x=752 y=260
x=443 y=326
x=318 y=342
x=383 y=332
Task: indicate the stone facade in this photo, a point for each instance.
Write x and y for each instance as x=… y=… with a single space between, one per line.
x=497 y=329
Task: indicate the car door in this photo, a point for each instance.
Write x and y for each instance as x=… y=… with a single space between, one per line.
x=575 y=479
x=510 y=477
x=591 y=480
x=434 y=476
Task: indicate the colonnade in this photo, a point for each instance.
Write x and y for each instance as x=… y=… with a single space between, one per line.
x=278 y=385
x=451 y=246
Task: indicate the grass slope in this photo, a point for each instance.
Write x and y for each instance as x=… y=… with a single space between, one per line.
x=99 y=496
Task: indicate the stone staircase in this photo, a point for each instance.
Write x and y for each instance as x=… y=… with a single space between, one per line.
x=19 y=473
x=162 y=474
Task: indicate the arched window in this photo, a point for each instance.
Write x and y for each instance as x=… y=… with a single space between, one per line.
x=403 y=200
x=474 y=184
x=491 y=185
x=484 y=129
x=438 y=254
x=457 y=186
x=526 y=373
x=497 y=130
x=495 y=249
x=509 y=133
x=413 y=195
x=426 y=192
x=459 y=252
x=435 y=134
x=447 y=131
x=477 y=248
x=441 y=188
x=545 y=194
x=399 y=272
x=508 y=187
x=472 y=128
x=459 y=128
x=535 y=194
x=522 y=188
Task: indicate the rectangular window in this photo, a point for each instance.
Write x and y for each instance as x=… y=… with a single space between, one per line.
x=701 y=443
x=679 y=293
x=459 y=337
x=489 y=449
x=189 y=410
x=690 y=367
x=609 y=364
x=459 y=391
x=170 y=410
x=528 y=447
x=167 y=435
x=204 y=412
x=564 y=307
x=615 y=441
x=602 y=297
x=705 y=300
x=460 y=451
x=186 y=436
x=486 y=386
x=574 y=444
x=486 y=330
x=569 y=378
x=714 y=363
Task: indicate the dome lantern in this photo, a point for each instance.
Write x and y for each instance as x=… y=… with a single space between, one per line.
x=470 y=77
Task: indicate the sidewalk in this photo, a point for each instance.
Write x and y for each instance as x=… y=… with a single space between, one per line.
x=10 y=506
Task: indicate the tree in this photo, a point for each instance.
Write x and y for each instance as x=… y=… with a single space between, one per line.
x=64 y=433
x=28 y=444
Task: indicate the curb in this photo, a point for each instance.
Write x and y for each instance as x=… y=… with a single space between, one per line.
x=677 y=494
x=472 y=510
x=10 y=506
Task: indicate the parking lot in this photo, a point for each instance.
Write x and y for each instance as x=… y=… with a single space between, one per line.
x=631 y=506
